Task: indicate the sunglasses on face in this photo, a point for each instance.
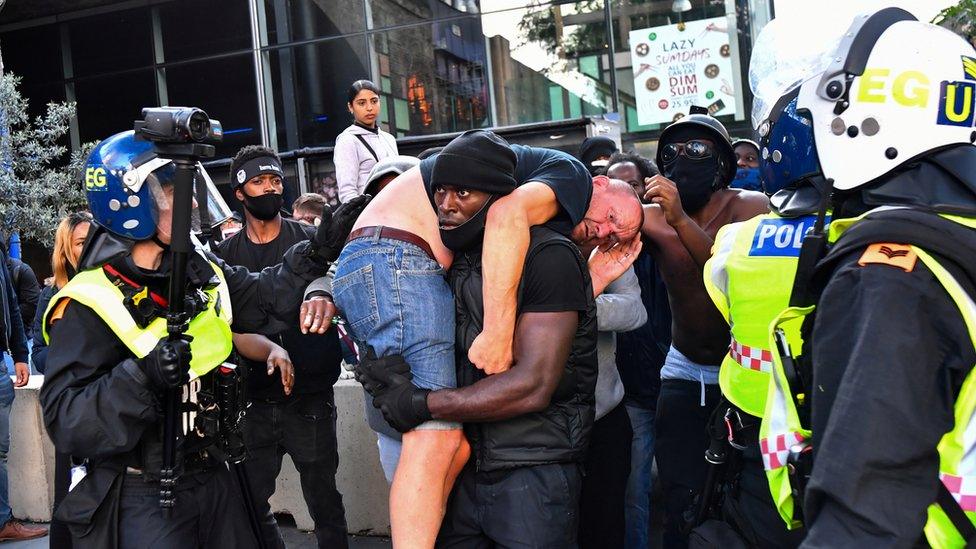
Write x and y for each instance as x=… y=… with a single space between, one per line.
x=694 y=149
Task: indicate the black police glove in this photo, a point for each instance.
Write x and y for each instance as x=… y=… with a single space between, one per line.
x=379 y=373
x=403 y=405
x=335 y=226
x=168 y=365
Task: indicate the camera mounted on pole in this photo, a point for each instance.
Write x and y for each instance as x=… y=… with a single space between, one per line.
x=183 y=135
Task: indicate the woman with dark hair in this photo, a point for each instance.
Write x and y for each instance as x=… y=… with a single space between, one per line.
x=362 y=144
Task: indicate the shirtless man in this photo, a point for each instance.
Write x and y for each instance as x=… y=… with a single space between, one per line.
x=686 y=206
x=390 y=285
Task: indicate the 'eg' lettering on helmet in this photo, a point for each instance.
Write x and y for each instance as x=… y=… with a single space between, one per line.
x=95 y=179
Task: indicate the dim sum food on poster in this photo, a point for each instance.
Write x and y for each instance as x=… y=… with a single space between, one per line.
x=677 y=66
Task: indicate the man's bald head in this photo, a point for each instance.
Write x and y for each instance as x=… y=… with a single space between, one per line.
x=615 y=215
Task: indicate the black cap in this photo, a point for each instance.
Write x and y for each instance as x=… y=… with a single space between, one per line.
x=594 y=147
x=476 y=159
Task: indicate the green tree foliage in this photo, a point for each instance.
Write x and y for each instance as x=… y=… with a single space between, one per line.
x=539 y=25
x=39 y=181
x=960 y=19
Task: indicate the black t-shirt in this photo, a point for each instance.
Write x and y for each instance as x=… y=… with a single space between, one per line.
x=565 y=175
x=316 y=357
x=552 y=282
x=239 y=250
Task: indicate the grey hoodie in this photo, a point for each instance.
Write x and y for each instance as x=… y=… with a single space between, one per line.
x=353 y=161
x=618 y=309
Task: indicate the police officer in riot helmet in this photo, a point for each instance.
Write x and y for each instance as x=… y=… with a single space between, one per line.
x=750 y=280
x=110 y=360
x=888 y=319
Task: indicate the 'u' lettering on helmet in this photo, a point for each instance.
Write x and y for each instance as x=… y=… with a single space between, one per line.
x=956 y=105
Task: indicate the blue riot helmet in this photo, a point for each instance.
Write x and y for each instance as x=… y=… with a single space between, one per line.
x=788 y=154
x=126 y=186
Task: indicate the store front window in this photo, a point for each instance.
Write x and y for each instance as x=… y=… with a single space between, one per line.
x=442 y=65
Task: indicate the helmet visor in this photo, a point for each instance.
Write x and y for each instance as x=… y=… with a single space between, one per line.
x=217 y=209
x=787 y=53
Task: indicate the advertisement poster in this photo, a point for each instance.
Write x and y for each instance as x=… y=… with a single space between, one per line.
x=677 y=66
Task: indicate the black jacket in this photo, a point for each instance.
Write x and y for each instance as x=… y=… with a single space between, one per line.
x=96 y=400
x=561 y=432
x=316 y=356
x=27 y=290
x=39 y=347
x=11 y=321
x=889 y=352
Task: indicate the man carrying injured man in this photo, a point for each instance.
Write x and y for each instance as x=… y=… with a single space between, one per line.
x=390 y=284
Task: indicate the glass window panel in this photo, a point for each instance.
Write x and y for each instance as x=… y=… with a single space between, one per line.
x=34 y=54
x=111 y=42
x=387 y=13
x=108 y=104
x=198 y=28
x=225 y=88
x=439 y=71
x=322 y=180
x=541 y=56
x=384 y=119
x=309 y=84
x=556 y=100
x=402 y=114
x=297 y=20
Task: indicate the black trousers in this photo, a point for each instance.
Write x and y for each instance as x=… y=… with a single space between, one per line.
x=755 y=503
x=304 y=427
x=607 y=468
x=209 y=513
x=58 y=535
x=527 y=507
x=682 y=439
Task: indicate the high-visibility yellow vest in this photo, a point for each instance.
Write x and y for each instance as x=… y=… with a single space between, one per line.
x=212 y=338
x=781 y=428
x=750 y=277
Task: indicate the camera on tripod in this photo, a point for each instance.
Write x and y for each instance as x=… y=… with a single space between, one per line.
x=178 y=125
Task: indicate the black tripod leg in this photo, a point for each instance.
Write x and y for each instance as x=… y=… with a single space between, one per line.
x=240 y=473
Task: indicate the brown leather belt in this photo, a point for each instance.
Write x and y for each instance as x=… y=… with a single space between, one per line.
x=395 y=234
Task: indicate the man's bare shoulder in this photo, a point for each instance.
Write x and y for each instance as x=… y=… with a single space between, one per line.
x=747 y=204
x=401 y=204
x=653 y=215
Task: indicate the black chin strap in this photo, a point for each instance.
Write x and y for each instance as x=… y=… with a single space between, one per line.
x=160 y=243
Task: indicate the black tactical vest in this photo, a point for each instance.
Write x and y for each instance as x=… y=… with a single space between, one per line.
x=561 y=432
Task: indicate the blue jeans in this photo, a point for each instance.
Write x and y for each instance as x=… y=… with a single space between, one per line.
x=6 y=400
x=396 y=299
x=637 y=511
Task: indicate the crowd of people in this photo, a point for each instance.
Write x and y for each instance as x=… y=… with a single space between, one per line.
x=535 y=331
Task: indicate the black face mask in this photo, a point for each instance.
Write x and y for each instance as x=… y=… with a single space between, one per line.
x=265 y=206
x=469 y=234
x=695 y=180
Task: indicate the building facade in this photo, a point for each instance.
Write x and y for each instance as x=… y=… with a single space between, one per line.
x=276 y=71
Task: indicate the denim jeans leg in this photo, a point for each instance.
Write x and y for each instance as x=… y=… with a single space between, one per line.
x=389 y=454
x=396 y=300
x=6 y=400
x=638 y=499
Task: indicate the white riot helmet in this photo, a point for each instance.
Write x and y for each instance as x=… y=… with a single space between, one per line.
x=894 y=89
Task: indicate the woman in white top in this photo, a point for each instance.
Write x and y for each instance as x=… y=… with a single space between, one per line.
x=363 y=143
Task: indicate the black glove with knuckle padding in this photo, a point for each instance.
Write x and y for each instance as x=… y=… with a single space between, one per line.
x=168 y=365
x=388 y=380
